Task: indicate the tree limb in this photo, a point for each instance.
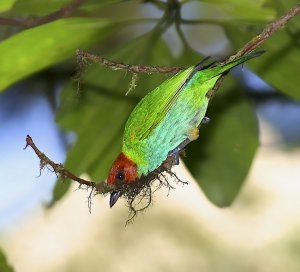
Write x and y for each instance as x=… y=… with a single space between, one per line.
x=64 y=173
x=83 y=57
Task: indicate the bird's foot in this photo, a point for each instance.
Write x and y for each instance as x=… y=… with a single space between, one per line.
x=205 y=120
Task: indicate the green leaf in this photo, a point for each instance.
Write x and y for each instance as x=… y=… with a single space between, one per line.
x=246 y=10
x=4 y=266
x=220 y=159
x=38 y=7
x=36 y=48
x=99 y=114
x=44 y=7
x=6 y=5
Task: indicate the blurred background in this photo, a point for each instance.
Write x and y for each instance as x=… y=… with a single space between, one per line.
x=240 y=211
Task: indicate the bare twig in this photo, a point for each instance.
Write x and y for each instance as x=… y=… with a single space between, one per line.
x=83 y=57
x=266 y=33
x=63 y=12
x=258 y=40
x=132 y=83
x=62 y=172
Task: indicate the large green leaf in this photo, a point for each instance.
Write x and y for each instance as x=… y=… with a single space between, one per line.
x=220 y=159
x=99 y=114
x=246 y=10
x=36 y=48
x=6 y=5
x=44 y=7
x=4 y=266
x=38 y=7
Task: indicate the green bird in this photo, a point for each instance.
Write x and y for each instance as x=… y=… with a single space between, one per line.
x=165 y=121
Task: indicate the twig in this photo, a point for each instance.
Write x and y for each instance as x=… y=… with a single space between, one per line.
x=62 y=172
x=266 y=33
x=83 y=57
x=258 y=40
x=132 y=83
x=63 y=12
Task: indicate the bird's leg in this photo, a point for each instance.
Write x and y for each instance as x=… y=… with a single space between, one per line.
x=176 y=152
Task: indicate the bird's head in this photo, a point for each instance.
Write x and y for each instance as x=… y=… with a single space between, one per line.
x=123 y=170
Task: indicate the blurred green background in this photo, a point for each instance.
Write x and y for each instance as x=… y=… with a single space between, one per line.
x=251 y=143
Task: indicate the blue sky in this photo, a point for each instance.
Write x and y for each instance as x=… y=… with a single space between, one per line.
x=21 y=113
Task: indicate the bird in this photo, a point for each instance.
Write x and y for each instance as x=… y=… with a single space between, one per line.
x=166 y=120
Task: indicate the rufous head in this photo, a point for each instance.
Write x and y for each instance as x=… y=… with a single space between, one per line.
x=123 y=170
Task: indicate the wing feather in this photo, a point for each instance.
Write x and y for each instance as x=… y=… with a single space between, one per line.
x=172 y=99
x=153 y=108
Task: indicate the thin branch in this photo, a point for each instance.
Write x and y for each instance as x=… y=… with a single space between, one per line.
x=132 y=83
x=64 y=11
x=258 y=40
x=266 y=33
x=83 y=57
x=62 y=172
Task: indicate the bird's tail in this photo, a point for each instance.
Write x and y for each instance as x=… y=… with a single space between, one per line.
x=220 y=69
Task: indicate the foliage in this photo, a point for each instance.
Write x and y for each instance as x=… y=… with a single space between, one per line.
x=4 y=266
x=221 y=159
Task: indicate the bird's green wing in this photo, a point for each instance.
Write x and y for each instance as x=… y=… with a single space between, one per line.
x=151 y=110
x=173 y=95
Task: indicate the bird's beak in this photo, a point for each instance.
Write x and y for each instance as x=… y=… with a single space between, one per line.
x=114 y=196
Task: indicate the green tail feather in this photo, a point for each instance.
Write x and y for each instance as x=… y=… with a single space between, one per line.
x=220 y=69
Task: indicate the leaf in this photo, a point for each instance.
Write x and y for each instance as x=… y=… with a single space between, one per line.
x=6 y=5
x=221 y=158
x=36 y=48
x=246 y=10
x=44 y=7
x=4 y=266
x=99 y=114
x=38 y=7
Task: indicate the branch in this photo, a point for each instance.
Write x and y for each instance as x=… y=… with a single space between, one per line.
x=258 y=40
x=83 y=57
x=64 y=173
x=63 y=12
x=266 y=33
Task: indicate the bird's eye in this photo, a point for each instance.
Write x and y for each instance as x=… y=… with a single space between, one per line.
x=120 y=175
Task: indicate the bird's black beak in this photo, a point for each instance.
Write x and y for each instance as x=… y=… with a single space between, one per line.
x=114 y=196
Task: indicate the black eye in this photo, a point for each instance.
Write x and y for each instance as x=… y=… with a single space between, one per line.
x=120 y=175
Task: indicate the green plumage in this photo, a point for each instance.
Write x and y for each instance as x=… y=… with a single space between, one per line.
x=165 y=117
